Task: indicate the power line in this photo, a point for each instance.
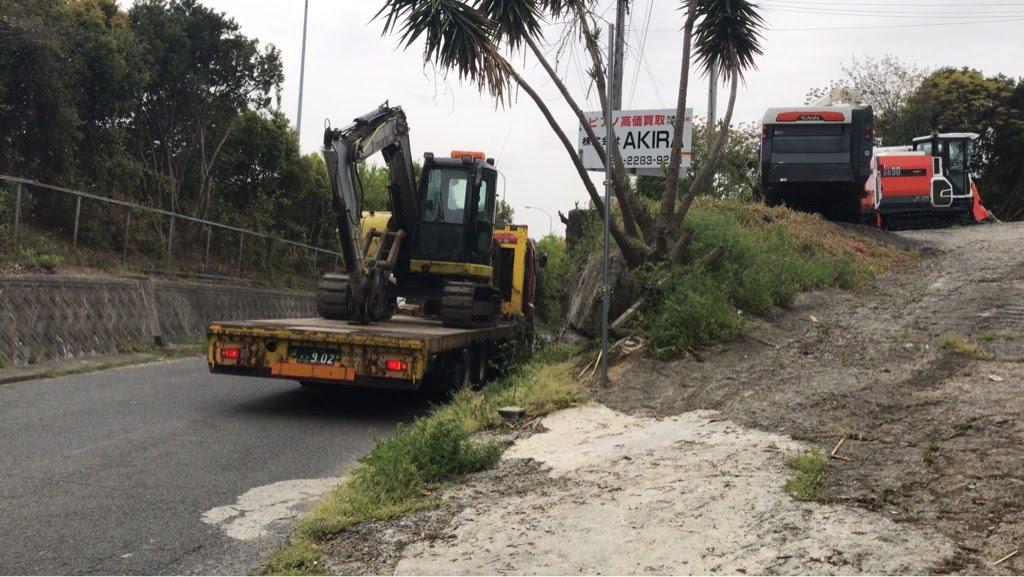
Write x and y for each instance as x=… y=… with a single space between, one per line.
x=871 y=27
x=897 y=4
x=888 y=14
x=643 y=43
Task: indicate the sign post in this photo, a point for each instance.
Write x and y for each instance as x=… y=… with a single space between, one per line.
x=610 y=139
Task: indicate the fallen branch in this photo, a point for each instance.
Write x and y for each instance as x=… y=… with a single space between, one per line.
x=836 y=448
x=625 y=316
x=1007 y=558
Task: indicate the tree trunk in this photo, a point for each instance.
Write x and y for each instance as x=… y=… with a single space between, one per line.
x=707 y=171
x=628 y=222
x=623 y=191
x=668 y=196
x=632 y=255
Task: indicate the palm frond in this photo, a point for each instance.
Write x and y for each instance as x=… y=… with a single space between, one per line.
x=456 y=36
x=513 y=19
x=728 y=34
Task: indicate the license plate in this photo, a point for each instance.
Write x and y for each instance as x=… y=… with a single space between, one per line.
x=315 y=356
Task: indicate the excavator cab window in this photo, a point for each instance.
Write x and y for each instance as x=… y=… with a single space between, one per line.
x=447 y=191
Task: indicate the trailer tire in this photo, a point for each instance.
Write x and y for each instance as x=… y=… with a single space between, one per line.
x=481 y=364
x=461 y=371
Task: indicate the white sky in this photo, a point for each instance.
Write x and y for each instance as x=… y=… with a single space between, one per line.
x=350 y=69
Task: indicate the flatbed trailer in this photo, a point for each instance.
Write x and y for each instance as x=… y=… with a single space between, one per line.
x=400 y=353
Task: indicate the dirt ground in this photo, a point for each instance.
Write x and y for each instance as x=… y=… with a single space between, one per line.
x=931 y=477
x=934 y=439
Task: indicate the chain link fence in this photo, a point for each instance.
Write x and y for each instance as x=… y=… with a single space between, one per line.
x=44 y=225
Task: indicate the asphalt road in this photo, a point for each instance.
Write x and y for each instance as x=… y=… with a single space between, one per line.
x=111 y=472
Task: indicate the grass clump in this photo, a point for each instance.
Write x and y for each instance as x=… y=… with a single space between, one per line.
x=809 y=481
x=401 y=473
x=964 y=346
x=771 y=254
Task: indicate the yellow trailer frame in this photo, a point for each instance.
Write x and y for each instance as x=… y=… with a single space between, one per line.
x=398 y=353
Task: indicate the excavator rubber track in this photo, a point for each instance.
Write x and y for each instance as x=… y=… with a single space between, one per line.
x=470 y=305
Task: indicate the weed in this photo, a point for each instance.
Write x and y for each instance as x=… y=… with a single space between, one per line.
x=770 y=256
x=963 y=427
x=986 y=337
x=809 y=482
x=401 y=473
x=964 y=347
x=134 y=347
x=930 y=452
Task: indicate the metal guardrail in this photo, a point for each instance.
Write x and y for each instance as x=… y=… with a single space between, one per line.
x=21 y=183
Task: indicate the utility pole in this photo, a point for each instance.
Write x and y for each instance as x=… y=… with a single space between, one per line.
x=610 y=135
x=302 y=71
x=712 y=99
x=619 y=53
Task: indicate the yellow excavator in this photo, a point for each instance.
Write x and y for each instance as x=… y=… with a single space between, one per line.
x=437 y=248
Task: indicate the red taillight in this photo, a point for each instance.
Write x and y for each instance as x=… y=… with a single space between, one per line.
x=232 y=353
x=395 y=365
x=869 y=131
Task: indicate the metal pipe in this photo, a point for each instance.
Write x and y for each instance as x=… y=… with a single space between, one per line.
x=78 y=212
x=609 y=142
x=302 y=74
x=551 y=222
x=159 y=211
x=17 y=209
x=209 y=237
x=170 y=238
x=127 y=226
x=241 y=240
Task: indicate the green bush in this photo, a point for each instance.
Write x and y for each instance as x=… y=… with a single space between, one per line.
x=552 y=281
x=809 y=483
x=770 y=256
x=430 y=451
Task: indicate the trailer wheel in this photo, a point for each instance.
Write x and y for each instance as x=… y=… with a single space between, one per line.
x=481 y=364
x=461 y=371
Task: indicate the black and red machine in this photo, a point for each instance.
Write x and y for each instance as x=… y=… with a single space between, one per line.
x=925 y=184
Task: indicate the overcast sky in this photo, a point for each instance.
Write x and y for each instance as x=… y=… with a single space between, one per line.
x=350 y=69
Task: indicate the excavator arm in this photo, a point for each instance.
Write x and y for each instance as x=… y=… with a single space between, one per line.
x=383 y=130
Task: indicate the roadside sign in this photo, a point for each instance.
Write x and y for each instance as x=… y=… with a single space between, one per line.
x=644 y=137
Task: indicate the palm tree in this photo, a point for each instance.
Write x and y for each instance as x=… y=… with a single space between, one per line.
x=469 y=36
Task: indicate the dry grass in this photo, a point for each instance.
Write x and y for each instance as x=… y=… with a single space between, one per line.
x=964 y=346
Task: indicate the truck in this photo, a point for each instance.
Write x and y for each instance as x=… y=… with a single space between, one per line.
x=430 y=290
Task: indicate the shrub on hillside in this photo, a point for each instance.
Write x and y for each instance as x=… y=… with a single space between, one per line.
x=771 y=254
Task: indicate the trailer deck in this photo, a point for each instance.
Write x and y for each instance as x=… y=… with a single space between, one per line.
x=397 y=353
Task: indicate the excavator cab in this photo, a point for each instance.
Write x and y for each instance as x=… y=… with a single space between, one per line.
x=457 y=222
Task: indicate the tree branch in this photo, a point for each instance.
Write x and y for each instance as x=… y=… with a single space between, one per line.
x=668 y=196
x=707 y=171
x=630 y=253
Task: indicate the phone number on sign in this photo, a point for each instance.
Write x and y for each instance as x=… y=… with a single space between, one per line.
x=645 y=160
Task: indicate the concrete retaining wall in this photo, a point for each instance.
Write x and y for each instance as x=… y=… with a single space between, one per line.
x=52 y=317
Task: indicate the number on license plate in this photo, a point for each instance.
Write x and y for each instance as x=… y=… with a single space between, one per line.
x=315 y=356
